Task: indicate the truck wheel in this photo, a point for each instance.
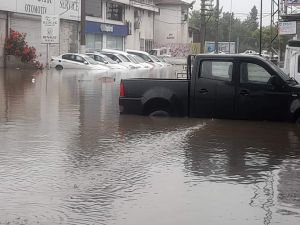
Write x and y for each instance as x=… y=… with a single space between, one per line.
x=160 y=113
x=298 y=121
x=59 y=67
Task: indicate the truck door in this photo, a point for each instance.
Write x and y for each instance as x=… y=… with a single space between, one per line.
x=214 y=91
x=256 y=98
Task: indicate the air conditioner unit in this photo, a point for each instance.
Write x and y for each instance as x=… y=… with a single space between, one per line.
x=137 y=25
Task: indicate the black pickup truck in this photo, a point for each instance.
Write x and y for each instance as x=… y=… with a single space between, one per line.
x=217 y=86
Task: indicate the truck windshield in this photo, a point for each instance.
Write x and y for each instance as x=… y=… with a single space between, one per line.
x=279 y=71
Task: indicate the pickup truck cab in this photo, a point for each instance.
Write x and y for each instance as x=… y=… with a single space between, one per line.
x=218 y=86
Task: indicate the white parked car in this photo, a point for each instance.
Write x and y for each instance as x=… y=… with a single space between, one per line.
x=147 y=57
x=105 y=60
x=120 y=59
x=76 y=61
x=141 y=61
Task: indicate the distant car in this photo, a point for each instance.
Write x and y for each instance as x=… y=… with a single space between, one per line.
x=141 y=61
x=76 y=61
x=147 y=57
x=250 y=52
x=105 y=60
x=120 y=59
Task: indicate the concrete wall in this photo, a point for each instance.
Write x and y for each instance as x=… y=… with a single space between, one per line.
x=143 y=30
x=2 y=37
x=170 y=26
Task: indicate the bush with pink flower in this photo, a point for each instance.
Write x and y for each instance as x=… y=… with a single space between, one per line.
x=16 y=45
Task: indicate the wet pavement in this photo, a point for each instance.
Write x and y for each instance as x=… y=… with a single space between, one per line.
x=68 y=157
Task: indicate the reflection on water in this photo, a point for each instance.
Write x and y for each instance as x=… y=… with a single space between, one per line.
x=67 y=157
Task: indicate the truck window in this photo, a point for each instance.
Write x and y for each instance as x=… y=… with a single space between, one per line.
x=250 y=72
x=221 y=70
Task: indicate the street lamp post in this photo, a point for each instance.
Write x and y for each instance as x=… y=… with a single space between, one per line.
x=260 y=29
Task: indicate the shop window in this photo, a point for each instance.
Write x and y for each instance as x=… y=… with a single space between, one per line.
x=94 y=41
x=142 y=44
x=93 y=8
x=114 y=42
x=114 y=11
x=148 y=45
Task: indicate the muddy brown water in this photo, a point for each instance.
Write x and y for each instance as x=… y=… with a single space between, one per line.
x=68 y=157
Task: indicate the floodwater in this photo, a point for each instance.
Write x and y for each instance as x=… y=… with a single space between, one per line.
x=68 y=157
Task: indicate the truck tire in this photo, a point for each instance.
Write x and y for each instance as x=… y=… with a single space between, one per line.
x=160 y=113
x=297 y=121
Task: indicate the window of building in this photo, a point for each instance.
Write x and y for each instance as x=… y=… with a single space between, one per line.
x=142 y=44
x=94 y=41
x=148 y=45
x=220 y=70
x=114 y=11
x=114 y=42
x=93 y=8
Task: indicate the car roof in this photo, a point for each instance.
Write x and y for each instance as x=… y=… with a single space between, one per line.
x=137 y=51
x=96 y=53
x=82 y=55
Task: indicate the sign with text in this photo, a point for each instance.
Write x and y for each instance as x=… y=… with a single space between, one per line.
x=292 y=2
x=287 y=28
x=66 y=9
x=50 y=29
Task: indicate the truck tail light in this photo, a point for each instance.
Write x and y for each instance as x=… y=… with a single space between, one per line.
x=122 y=89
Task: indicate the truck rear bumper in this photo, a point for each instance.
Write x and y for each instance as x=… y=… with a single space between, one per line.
x=130 y=106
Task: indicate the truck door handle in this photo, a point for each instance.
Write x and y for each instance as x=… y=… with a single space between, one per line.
x=203 y=91
x=244 y=92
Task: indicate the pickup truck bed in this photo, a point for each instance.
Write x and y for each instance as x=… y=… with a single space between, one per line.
x=144 y=96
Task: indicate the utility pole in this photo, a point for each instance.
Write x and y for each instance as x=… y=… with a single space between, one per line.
x=260 y=29
x=82 y=27
x=217 y=27
x=206 y=6
x=202 y=19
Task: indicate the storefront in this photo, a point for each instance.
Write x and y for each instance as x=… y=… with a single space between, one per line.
x=103 y=35
x=2 y=37
x=25 y=17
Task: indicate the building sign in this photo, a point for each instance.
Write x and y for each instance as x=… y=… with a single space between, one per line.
x=171 y=37
x=107 y=28
x=292 y=2
x=66 y=9
x=115 y=30
x=226 y=47
x=287 y=28
x=50 y=29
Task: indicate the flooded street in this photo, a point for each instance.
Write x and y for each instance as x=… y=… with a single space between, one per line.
x=68 y=157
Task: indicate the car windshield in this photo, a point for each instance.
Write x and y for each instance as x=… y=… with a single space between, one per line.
x=132 y=59
x=123 y=58
x=139 y=59
x=280 y=72
x=143 y=56
x=155 y=59
x=107 y=59
x=91 y=61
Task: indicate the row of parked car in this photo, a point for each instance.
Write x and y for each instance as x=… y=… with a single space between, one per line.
x=108 y=59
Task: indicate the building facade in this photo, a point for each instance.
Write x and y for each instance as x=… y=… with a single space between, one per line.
x=25 y=17
x=171 y=22
x=119 y=24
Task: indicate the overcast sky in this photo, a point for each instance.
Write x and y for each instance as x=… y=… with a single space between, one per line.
x=241 y=8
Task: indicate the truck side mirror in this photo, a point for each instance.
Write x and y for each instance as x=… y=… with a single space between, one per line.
x=275 y=81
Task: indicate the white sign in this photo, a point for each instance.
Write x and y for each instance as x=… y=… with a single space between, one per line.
x=107 y=28
x=292 y=2
x=287 y=27
x=50 y=29
x=66 y=9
